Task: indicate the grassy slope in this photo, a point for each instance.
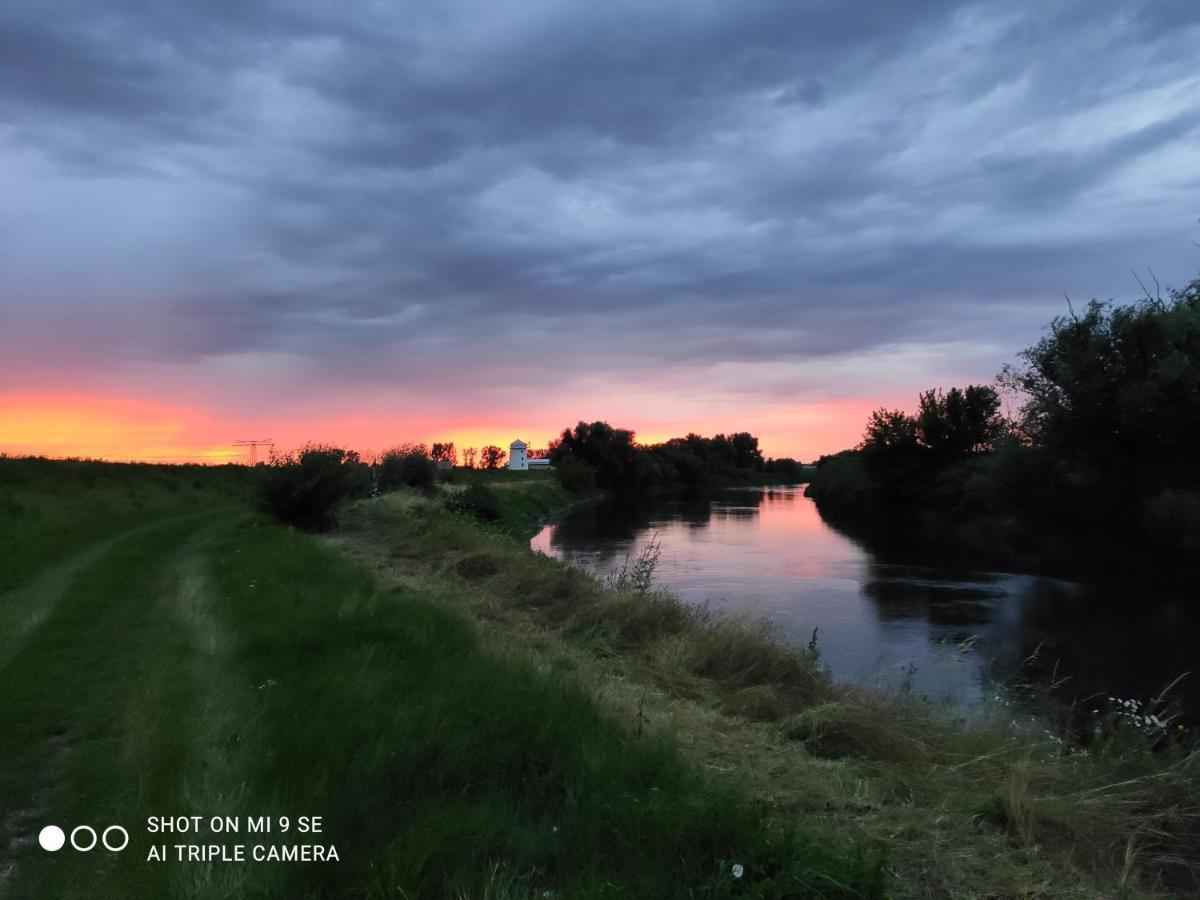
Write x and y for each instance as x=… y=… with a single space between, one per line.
x=204 y=661
x=522 y=498
x=980 y=810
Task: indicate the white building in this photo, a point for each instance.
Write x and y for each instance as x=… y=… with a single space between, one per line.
x=517 y=461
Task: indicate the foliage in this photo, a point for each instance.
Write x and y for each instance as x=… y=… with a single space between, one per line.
x=1110 y=398
x=609 y=451
x=476 y=500
x=575 y=475
x=959 y=423
x=444 y=452
x=637 y=576
x=621 y=464
x=304 y=488
x=1118 y=388
x=407 y=467
x=491 y=457
x=949 y=427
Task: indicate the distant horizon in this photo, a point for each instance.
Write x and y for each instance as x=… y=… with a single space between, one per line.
x=75 y=444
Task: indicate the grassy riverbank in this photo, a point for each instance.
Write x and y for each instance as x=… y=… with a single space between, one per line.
x=984 y=809
x=176 y=654
x=471 y=719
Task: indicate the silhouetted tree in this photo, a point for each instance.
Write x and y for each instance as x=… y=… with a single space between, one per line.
x=444 y=452
x=1118 y=388
x=609 y=451
x=959 y=423
x=491 y=457
x=406 y=466
x=469 y=454
x=304 y=488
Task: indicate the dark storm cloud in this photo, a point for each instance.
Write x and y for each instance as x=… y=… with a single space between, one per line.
x=394 y=191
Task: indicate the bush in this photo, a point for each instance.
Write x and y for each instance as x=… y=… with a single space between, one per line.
x=478 y=501
x=305 y=487
x=1172 y=521
x=575 y=476
x=406 y=468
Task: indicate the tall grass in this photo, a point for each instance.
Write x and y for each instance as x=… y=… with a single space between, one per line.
x=966 y=807
x=447 y=770
x=220 y=664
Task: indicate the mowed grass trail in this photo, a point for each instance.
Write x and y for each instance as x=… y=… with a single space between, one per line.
x=197 y=659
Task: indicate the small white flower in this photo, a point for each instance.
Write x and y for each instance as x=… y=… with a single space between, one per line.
x=737 y=870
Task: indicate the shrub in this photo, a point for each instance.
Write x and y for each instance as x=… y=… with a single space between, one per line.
x=305 y=487
x=478 y=501
x=406 y=468
x=575 y=476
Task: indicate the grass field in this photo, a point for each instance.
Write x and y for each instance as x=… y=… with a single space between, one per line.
x=166 y=651
x=986 y=808
x=470 y=719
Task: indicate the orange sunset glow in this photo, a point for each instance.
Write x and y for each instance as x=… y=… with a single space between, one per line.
x=116 y=428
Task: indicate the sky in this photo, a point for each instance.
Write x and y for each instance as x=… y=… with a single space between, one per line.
x=371 y=222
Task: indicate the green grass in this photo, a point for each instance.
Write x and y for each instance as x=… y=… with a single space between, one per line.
x=965 y=809
x=50 y=509
x=204 y=661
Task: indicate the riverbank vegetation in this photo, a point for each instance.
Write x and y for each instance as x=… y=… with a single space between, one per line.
x=174 y=652
x=307 y=487
x=990 y=807
x=1096 y=473
x=609 y=458
x=473 y=719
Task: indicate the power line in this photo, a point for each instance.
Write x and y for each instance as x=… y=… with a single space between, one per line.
x=254 y=445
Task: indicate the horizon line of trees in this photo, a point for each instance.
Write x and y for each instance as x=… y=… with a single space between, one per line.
x=305 y=487
x=597 y=454
x=1098 y=466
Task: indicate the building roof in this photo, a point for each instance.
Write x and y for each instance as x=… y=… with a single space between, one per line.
x=517 y=444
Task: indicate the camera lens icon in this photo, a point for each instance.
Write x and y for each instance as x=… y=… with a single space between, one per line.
x=114 y=838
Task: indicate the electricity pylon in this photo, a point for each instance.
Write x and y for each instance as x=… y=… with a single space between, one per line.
x=254 y=445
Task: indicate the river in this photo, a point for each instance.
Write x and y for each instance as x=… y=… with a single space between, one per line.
x=954 y=636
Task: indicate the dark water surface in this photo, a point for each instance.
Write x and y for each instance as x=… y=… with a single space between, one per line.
x=949 y=634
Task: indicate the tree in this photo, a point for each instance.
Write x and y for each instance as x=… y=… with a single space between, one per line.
x=444 y=453
x=609 y=451
x=305 y=488
x=491 y=457
x=1118 y=388
x=406 y=466
x=889 y=429
x=958 y=424
x=469 y=454
x=746 y=453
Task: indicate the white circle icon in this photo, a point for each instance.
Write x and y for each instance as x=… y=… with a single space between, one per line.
x=75 y=843
x=124 y=834
x=52 y=838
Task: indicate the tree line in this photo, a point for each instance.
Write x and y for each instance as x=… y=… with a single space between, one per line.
x=306 y=486
x=597 y=454
x=1097 y=468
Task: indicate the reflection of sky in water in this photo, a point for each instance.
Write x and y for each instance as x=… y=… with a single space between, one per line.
x=767 y=553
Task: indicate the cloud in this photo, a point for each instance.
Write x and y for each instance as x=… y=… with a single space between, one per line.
x=388 y=196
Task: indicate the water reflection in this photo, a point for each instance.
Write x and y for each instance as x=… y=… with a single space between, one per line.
x=950 y=633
